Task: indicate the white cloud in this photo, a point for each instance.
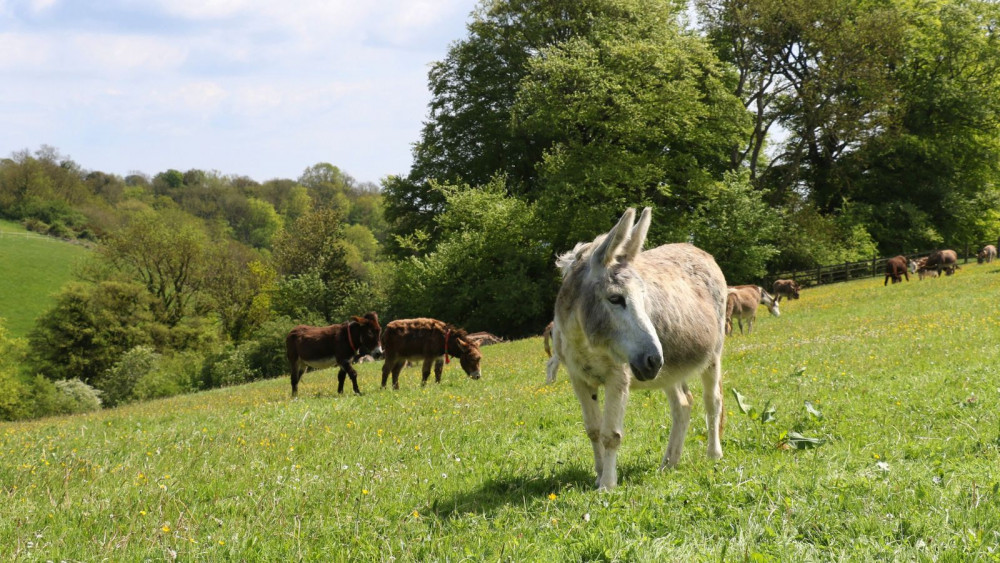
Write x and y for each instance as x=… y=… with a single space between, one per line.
x=256 y=87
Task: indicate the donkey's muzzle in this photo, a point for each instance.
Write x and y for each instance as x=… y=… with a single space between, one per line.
x=647 y=367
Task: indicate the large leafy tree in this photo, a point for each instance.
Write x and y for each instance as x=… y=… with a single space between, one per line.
x=604 y=101
x=89 y=327
x=934 y=178
x=639 y=113
x=491 y=270
x=310 y=254
x=821 y=69
x=165 y=252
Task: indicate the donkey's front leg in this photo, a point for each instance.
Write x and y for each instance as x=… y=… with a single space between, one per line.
x=615 y=400
x=587 y=395
x=680 y=414
x=346 y=367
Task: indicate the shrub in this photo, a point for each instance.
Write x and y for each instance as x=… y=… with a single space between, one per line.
x=35 y=225
x=173 y=375
x=60 y=230
x=737 y=227
x=117 y=384
x=76 y=397
x=89 y=328
x=231 y=367
x=265 y=351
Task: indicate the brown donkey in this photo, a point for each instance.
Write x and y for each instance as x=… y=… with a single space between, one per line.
x=320 y=347
x=430 y=340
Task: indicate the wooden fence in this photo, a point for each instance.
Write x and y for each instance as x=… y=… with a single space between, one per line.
x=847 y=271
x=25 y=235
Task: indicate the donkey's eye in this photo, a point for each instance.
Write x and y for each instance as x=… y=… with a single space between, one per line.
x=617 y=300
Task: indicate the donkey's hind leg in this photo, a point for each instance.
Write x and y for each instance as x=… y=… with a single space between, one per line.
x=297 y=371
x=715 y=414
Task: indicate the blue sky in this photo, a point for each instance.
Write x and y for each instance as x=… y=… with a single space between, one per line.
x=260 y=88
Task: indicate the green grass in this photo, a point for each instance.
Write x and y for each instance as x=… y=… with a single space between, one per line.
x=33 y=271
x=904 y=378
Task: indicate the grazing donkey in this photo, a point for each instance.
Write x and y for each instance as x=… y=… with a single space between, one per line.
x=987 y=254
x=628 y=319
x=742 y=302
x=895 y=269
x=430 y=340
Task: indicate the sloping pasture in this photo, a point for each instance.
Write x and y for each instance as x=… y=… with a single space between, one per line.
x=902 y=388
x=33 y=269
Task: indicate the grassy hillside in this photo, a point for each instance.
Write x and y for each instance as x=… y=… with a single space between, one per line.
x=33 y=271
x=901 y=383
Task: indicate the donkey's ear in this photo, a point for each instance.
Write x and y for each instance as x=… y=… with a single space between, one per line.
x=605 y=253
x=638 y=236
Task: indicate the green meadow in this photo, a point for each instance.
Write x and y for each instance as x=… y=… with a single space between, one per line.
x=33 y=270
x=867 y=430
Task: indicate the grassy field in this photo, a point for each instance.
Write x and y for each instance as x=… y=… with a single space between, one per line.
x=33 y=271
x=901 y=385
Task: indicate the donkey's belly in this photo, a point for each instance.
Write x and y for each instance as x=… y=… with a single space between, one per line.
x=320 y=363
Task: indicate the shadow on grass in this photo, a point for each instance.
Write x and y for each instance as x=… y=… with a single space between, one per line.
x=524 y=488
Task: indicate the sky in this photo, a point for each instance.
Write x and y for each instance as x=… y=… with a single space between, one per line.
x=258 y=88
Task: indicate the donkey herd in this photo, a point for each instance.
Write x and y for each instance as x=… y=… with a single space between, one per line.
x=625 y=318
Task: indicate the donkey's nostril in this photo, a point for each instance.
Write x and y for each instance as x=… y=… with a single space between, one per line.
x=653 y=363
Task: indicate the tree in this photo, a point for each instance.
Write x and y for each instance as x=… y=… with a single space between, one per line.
x=89 y=327
x=578 y=105
x=640 y=114
x=934 y=177
x=239 y=288
x=490 y=271
x=468 y=137
x=328 y=186
x=165 y=252
x=310 y=255
x=259 y=225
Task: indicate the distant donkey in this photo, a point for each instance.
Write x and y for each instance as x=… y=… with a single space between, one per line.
x=628 y=319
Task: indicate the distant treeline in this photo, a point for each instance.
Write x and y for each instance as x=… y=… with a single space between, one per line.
x=776 y=135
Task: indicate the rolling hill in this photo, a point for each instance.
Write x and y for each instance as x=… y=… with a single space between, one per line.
x=33 y=270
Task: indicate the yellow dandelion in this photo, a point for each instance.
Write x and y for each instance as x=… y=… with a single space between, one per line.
x=416 y=514
x=417 y=447
x=222 y=542
x=552 y=496
x=165 y=528
x=142 y=512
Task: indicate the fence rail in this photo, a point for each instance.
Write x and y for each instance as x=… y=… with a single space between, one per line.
x=835 y=273
x=25 y=235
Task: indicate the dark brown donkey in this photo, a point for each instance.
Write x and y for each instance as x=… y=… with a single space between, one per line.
x=429 y=340
x=895 y=269
x=320 y=347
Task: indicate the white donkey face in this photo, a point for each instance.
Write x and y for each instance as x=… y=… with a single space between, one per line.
x=615 y=318
x=613 y=299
